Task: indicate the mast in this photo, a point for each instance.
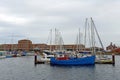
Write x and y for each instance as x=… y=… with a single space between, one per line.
x=58 y=40
x=92 y=37
x=51 y=40
x=79 y=40
x=77 y=43
x=97 y=34
x=85 y=32
x=55 y=39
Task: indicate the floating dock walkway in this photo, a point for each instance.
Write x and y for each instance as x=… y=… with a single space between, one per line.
x=106 y=61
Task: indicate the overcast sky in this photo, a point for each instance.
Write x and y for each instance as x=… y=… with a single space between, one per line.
x=33 y=19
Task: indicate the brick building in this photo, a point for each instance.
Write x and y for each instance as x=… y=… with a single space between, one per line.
x=6 y=47
x=39 y=46
x=25 y=45
x=28 y=45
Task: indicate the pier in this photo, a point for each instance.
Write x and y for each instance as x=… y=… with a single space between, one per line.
x=106 y=61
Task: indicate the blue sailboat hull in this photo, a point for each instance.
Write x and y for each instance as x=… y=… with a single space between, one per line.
x=89 y=60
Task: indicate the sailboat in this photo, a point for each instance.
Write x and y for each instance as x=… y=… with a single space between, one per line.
x=64 y=59
x=47 y=54
x=101 y=58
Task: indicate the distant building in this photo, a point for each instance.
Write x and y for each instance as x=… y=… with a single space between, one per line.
x=28 y=46
x=4 y=47
x=117 y=50
x=74 y=47
x=25 y=45
x=68 y=47
x=39 y=46
x=7 y=47
x=111 y=47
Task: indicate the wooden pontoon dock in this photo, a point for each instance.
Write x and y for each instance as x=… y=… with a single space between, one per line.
x=106 y=61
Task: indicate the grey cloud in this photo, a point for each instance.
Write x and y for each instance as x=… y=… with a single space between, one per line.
x=66 y=15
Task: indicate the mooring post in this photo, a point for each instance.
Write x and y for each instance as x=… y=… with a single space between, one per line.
x=35 y=59
x=113 y=59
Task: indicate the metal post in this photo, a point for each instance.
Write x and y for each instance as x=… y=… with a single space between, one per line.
x=113 y=59
x=35 y=59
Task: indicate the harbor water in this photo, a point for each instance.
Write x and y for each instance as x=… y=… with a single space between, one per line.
x=23 y=68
